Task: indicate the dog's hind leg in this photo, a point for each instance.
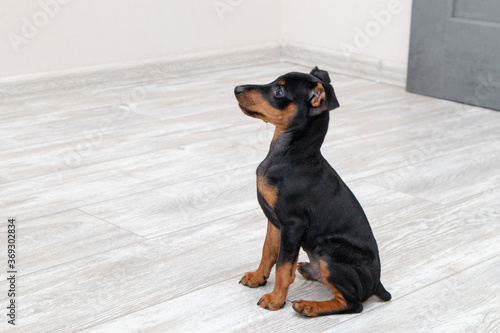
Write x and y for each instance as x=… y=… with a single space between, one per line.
x=336 y=305
x=304 y=268
x=312 y=270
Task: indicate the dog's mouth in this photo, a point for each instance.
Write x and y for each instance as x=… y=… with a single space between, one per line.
x=250 y=112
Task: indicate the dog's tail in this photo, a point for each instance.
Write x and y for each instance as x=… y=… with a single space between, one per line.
x=381 y=293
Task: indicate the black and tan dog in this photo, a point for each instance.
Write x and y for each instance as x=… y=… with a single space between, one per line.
x=306 y=202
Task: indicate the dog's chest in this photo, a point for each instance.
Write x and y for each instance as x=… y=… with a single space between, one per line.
x=268 y=181
x=269 y=192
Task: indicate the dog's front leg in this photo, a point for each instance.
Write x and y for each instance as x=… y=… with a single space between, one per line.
x=269 y=256
x=291 y=237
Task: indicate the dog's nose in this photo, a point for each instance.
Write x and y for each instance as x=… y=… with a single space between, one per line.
x=238 y=90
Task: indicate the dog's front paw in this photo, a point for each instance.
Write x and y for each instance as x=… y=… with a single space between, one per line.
x=253 y=279
x=272 y=302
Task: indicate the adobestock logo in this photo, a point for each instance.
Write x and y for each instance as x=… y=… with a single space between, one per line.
x=372 y=29
x=30 y=27
x=223 y=6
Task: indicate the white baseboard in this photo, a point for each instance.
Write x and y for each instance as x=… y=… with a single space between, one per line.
x=140 y=71
x=164 y=68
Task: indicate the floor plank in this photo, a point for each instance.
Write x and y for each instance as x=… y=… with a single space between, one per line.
x=434 y=244
x=168 y=209
x=50 y=241
x=449 y=178
x=113 y=142
x=83 y=186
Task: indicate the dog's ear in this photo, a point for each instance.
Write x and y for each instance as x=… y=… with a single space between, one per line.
x=322 y=98
x=317 y=100
x=320 y=74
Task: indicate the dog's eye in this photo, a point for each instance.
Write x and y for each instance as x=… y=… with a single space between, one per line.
x=279 y=92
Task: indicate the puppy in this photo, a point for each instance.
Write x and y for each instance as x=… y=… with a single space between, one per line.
x=306 y=202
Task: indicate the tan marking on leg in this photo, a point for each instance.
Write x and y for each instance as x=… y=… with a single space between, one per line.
x=269 y=256
x=285 y=275
x=303 y=272
x=313 y=308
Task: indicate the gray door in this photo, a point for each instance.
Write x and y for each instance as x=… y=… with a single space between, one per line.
x=455 y=51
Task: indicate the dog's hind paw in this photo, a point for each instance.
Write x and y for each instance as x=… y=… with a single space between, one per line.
x=303 y=269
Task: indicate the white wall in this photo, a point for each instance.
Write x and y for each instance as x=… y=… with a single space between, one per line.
x=80 y=33
x=374 y=28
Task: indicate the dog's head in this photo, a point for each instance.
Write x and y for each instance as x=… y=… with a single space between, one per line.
x=291 y=98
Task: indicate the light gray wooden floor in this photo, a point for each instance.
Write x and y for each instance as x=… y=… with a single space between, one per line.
x=136 y=208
